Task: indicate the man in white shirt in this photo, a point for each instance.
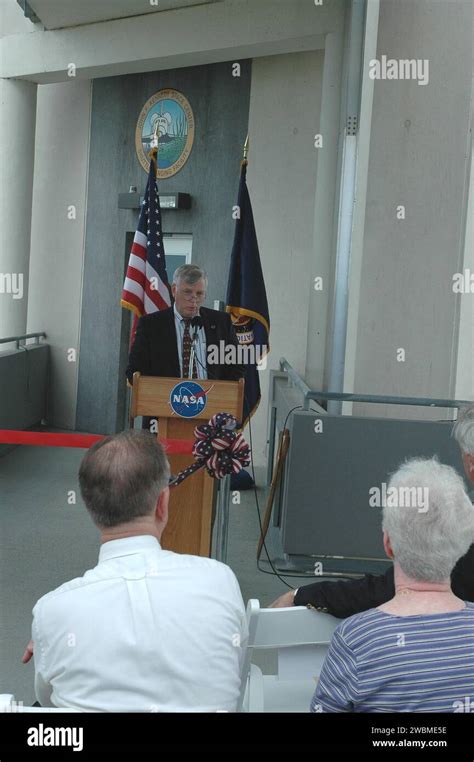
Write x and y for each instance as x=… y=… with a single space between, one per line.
x=146 y=630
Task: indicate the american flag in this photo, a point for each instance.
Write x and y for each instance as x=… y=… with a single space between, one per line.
x=146 y=287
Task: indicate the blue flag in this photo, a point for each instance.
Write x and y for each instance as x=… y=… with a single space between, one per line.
x=246 y=296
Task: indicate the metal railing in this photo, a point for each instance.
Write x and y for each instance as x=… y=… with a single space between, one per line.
x=18 y=339
x=382 y=399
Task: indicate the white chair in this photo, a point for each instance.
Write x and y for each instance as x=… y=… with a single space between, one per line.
x=9 y=705
x=301 y=637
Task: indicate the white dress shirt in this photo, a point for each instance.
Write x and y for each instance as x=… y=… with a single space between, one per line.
x=146 y=630
x=200 y=345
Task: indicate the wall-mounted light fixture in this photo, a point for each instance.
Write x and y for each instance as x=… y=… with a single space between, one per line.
x=133 y=200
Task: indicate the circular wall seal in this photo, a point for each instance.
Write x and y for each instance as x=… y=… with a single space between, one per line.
x=169 y=115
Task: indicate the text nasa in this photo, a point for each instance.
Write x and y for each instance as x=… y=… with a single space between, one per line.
x=188 y=399
x=45 y=736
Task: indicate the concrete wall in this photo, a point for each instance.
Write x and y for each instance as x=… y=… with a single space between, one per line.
x=57 y=240
x=220 y=103
x=419 y=158
x=17 y=149
x=13 y=20
x=465 y=356
x=284 y=117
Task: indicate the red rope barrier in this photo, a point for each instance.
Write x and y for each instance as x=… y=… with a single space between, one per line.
x=48 y=439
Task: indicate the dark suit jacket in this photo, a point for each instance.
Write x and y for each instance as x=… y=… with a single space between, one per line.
x=346 y=597
x=155 y=349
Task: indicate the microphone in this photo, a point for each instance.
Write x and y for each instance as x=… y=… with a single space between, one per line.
x=196 y=324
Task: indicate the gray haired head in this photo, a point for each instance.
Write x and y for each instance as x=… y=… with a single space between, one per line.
x=463 y=430
x=427 y=543
x=189 y=274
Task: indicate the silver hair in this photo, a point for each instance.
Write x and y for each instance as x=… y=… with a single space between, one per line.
x=463 y=430
x=189 y=273
x=427 y=543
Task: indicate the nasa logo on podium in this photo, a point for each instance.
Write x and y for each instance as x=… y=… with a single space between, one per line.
x=168 y=116
x=188 y=399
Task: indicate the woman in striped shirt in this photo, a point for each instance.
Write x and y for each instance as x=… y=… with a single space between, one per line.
x=414 y=653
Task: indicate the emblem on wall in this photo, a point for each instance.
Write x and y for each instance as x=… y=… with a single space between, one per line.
x=169 y=116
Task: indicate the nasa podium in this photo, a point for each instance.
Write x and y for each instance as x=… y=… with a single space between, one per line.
x=179 y=405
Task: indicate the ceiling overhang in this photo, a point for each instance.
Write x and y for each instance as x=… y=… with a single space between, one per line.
x=61 y=14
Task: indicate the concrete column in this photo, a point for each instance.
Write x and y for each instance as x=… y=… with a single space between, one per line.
x=324 y=200
x=17 y=148
x=464 y=370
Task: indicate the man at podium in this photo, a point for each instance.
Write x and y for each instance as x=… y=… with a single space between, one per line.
x=164 y=339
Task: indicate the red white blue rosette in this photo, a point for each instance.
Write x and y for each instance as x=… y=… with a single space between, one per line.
x=218 y=448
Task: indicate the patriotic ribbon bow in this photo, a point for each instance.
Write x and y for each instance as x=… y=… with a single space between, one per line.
x=218 y=448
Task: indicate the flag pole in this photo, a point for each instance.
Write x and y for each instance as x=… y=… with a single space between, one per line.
x=153 y=153
x=246 y=151
x=153 y=156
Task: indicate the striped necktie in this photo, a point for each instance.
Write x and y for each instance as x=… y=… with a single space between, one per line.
x=187 y=351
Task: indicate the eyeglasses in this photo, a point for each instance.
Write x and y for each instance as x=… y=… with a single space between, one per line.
x=189 y=296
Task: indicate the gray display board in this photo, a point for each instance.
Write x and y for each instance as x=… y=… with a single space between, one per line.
x=325 y=506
